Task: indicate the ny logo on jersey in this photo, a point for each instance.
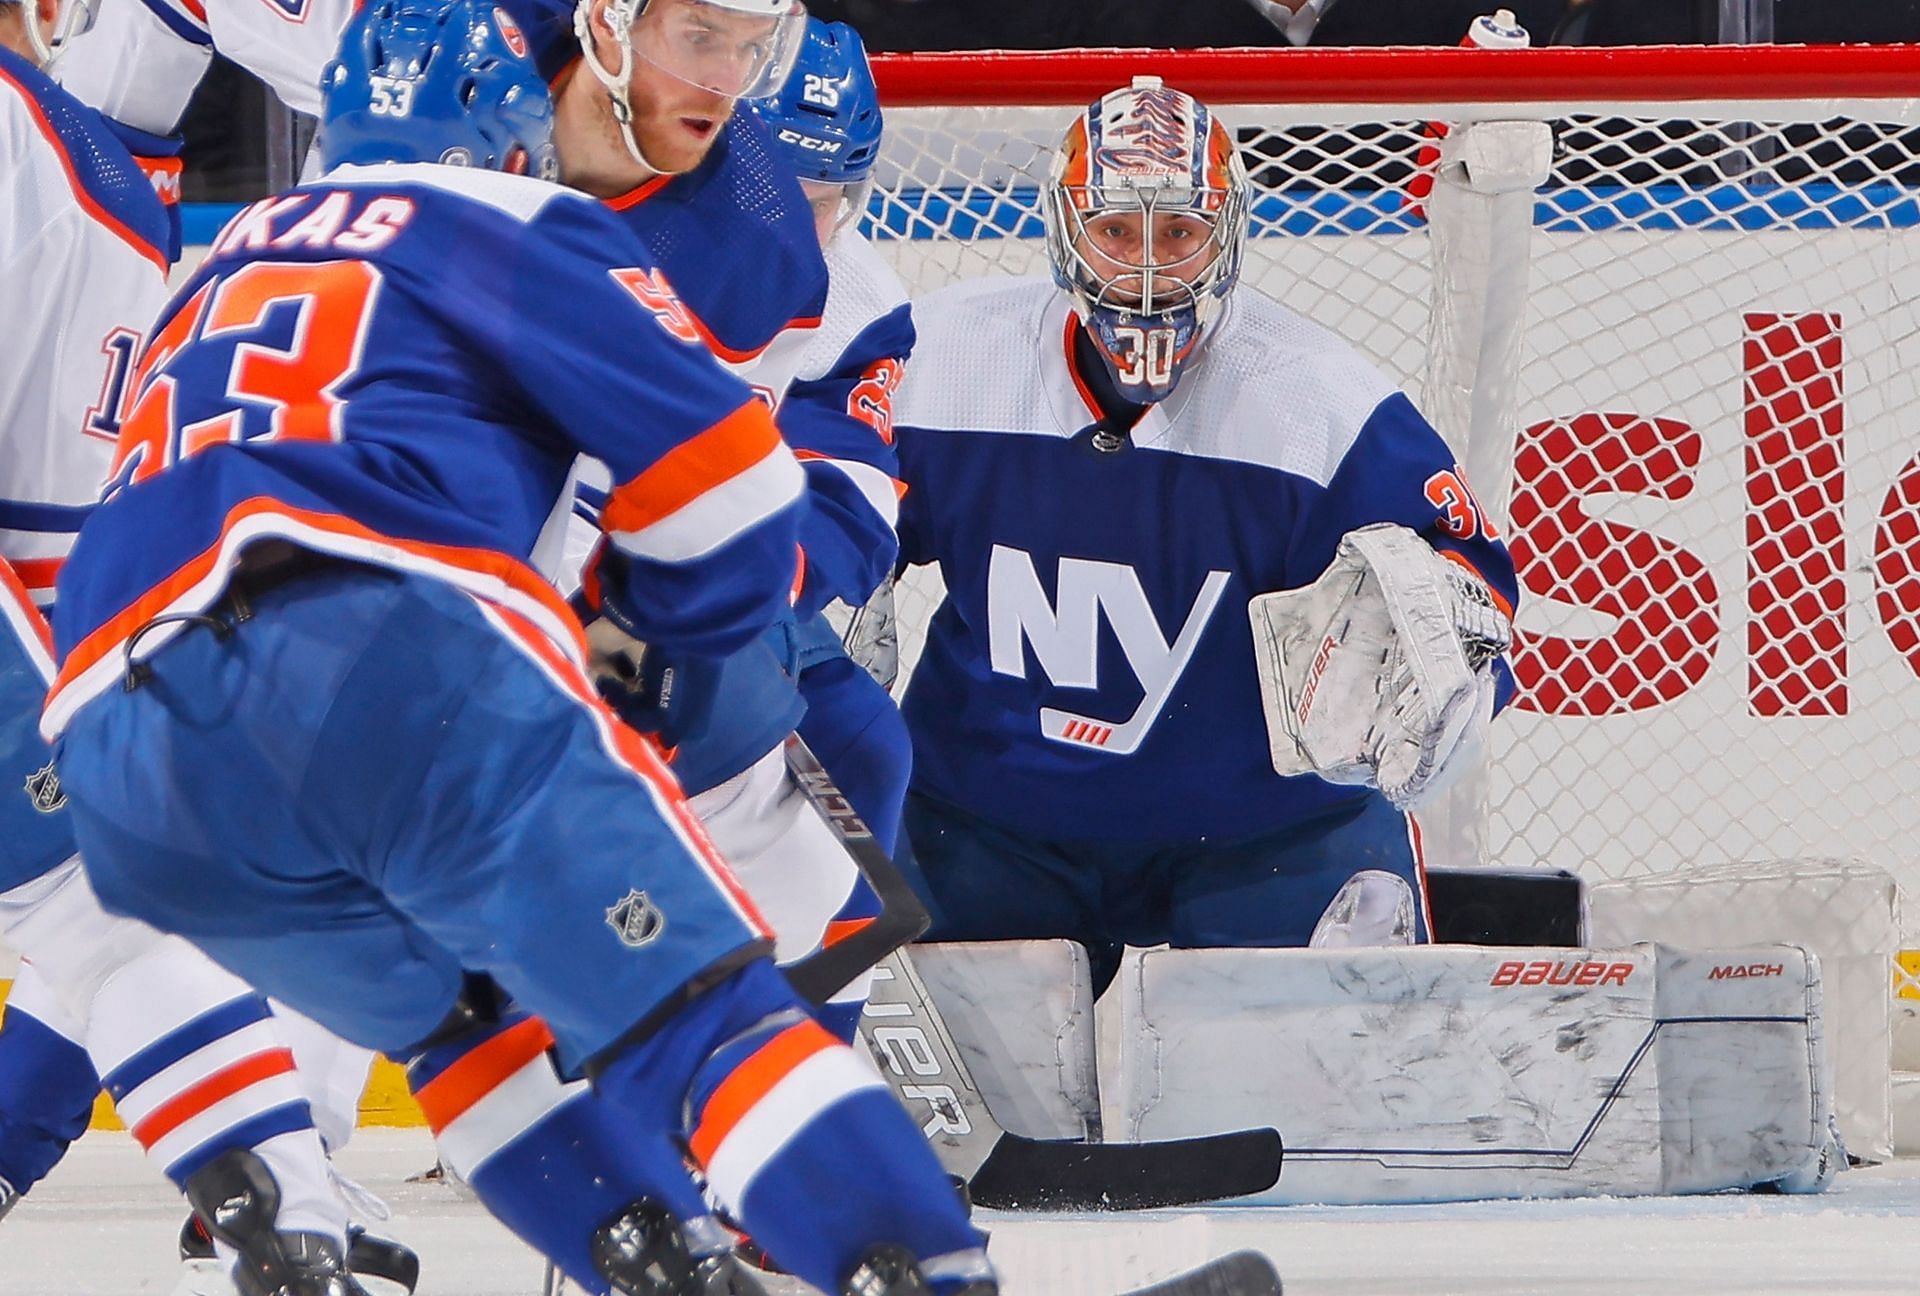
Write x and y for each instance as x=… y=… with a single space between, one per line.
x=1066 y=638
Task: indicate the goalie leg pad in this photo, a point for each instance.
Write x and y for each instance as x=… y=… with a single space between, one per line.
x=1497 y=1073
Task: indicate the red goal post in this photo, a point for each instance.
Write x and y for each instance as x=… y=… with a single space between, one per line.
x=1694 y=367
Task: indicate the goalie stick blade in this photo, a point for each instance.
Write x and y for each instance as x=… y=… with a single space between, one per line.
x=1030 y=1174
x=1244 y=1273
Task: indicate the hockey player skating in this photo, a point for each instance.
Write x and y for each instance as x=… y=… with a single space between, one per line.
x=328 y=620
x=1108 y=470
x=198 y=1065
x=725 y=719
x=831 y=386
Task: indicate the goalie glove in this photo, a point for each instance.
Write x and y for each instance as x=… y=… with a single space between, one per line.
x=1380 y=672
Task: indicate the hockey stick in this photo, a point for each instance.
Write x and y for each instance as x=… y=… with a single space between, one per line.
x=1006 y=1171
x=823 y=973
x=915 y=1051
x=1243 y=1273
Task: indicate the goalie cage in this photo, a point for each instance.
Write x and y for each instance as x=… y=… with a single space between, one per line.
x=1662 y=303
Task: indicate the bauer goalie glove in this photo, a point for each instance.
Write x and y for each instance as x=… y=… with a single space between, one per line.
x=1380 y=672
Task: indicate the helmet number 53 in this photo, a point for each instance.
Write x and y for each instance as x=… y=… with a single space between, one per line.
x=391 y=96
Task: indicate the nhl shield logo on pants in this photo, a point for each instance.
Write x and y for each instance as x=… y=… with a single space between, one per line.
x=43 y=788
x=636 y=920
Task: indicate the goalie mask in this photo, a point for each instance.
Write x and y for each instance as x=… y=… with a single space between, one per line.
x=735 y=49
x=1146 y=216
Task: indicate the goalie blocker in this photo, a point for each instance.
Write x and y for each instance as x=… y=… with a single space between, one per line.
x=1428 y=1073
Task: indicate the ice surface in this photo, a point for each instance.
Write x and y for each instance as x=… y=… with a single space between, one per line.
x=104 y=1225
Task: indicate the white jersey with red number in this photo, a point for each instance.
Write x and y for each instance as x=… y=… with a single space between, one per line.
x=82 y=276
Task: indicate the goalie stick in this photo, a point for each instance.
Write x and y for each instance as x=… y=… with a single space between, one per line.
x=1006 y=1171
x=914 y=1050
x=1241 y=1273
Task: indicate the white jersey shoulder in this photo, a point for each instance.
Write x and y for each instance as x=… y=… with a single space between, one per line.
x=141 y=61
x=979 y=364
x=80 y=295
x=1272 y=388
x=861 y=288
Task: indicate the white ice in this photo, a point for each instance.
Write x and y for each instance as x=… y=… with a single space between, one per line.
x=104 y=1225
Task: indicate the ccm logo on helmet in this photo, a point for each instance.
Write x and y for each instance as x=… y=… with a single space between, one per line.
x=1577 y=973
x=789 y=136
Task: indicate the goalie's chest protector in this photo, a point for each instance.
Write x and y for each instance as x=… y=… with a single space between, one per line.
x=1091 y=672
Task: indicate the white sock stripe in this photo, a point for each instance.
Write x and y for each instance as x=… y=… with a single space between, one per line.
x=503 y=1114
x=782 y=1114
x=169 y=1083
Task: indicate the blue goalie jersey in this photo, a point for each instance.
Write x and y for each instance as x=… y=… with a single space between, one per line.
x=398 y=365
x=1090 y=674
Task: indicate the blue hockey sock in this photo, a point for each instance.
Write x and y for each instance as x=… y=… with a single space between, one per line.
x=47 y=1087
x=797 y=1136
x=550 y=1160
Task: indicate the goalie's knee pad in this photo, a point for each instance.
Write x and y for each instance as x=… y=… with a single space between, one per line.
x=237 y=1198
x=1372 y=908
x=645 y=1251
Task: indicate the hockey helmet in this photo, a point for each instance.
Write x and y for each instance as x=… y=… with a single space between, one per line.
x=826 y=120
x=1146 y=218
x=447 y=81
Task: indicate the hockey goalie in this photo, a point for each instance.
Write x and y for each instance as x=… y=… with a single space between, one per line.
x=1108 y=753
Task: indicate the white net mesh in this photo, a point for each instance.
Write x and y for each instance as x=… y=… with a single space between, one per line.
x=1714 y=497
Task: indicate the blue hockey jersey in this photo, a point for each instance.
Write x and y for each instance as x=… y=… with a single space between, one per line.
x=1100 y=596
x=399 y=365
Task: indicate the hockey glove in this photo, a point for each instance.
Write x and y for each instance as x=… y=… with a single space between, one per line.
x=1380 y=672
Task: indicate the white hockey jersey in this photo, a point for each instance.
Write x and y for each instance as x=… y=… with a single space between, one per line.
x=82 y=276
x=142 y=59
x=1090 y=673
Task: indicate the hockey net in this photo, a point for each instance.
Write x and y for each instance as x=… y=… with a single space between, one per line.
x=1686 y=380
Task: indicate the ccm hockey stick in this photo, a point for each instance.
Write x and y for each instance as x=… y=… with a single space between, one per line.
x=914 y=1050
x=1243 y=1273
x=902 y=917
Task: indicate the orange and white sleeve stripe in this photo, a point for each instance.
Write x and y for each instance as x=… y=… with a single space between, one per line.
x=706 y=491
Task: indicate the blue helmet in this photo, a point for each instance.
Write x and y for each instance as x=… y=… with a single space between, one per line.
x=447 y=81
x=826 y=117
